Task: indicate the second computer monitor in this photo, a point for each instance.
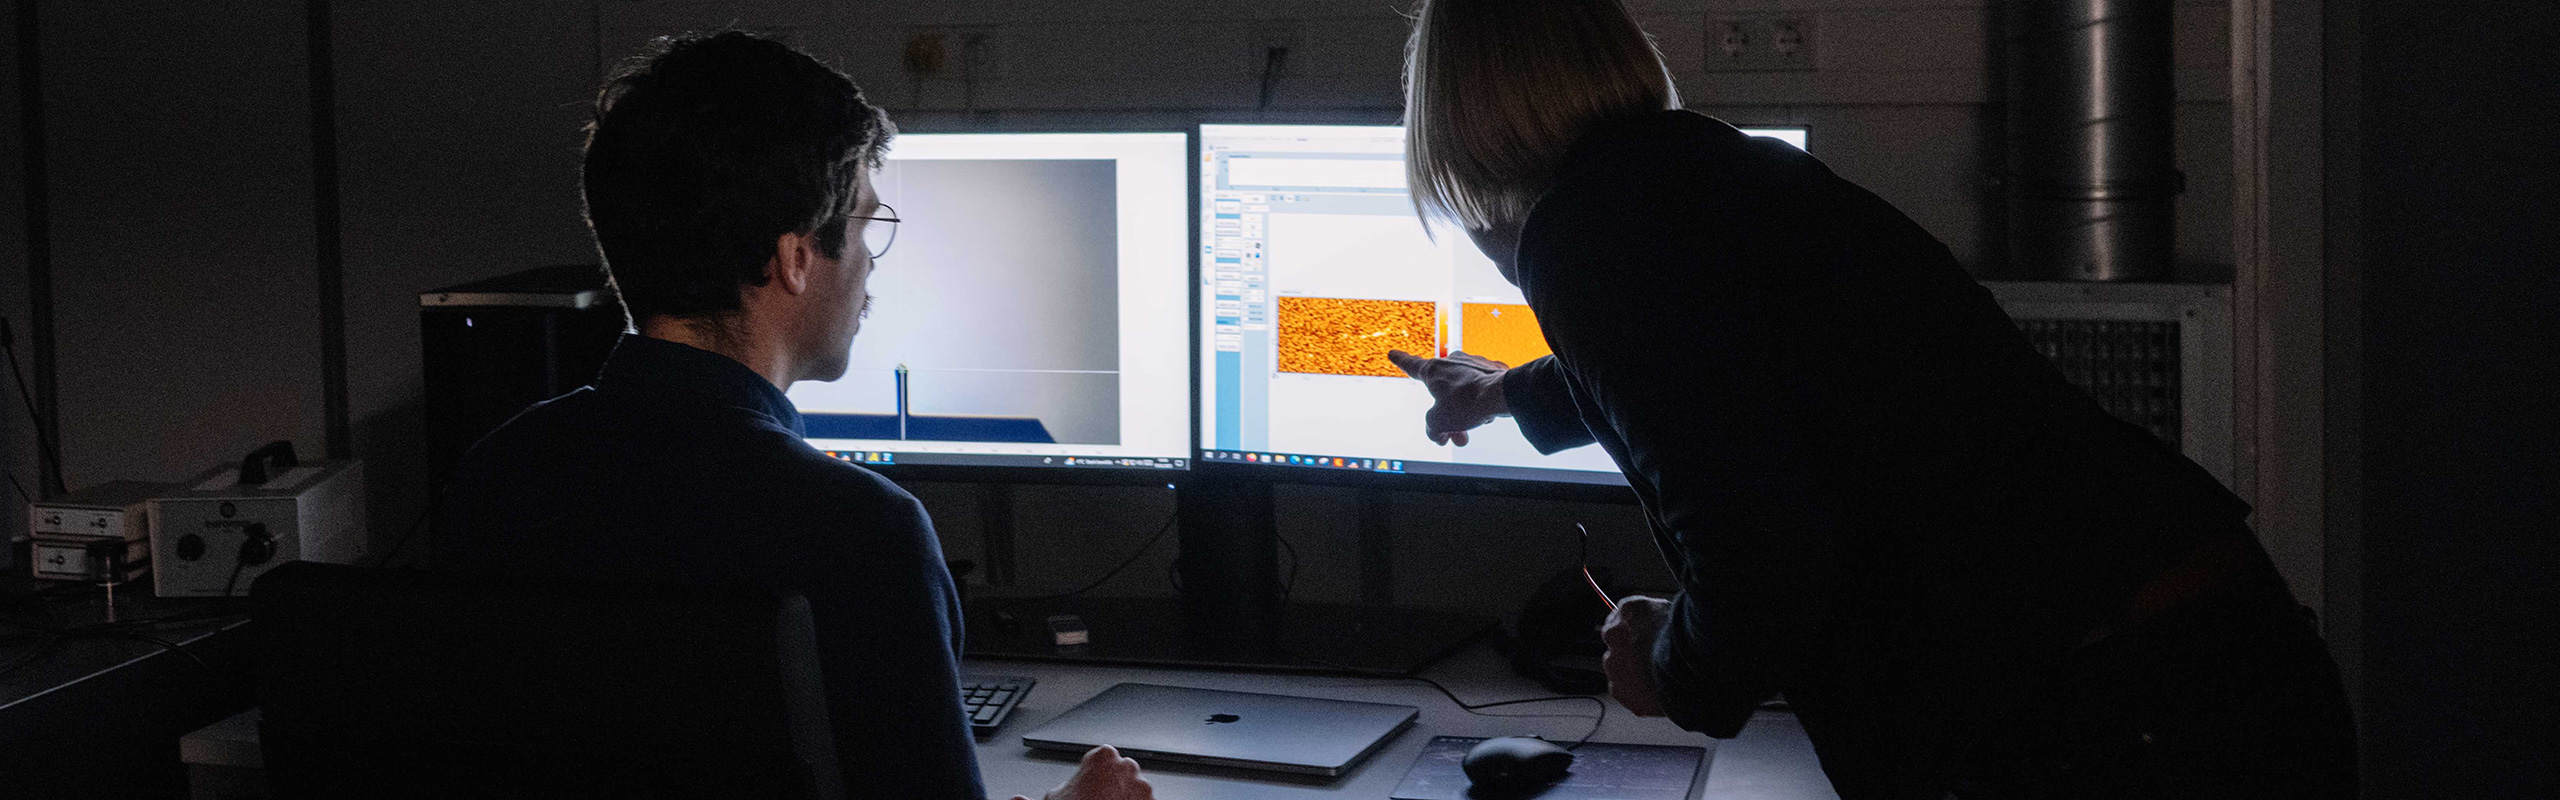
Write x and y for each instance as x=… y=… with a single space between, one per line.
x=1314 y=266
x=1030 y=312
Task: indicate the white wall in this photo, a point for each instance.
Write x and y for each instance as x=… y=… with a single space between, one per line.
x=458 y=149
x=185 y=296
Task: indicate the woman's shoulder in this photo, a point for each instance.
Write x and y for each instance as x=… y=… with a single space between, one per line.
x=1678 y=164
x=1681 y=139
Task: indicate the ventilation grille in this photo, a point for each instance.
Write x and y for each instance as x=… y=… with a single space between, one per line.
x=2130 y=367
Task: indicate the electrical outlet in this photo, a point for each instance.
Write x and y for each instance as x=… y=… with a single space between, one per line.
x=1761 y=44
x=982 y=53
x=927 y=54
x=973 y=53
x=1271 y=35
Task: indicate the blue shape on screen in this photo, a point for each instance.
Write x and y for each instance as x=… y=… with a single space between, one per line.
x=927 y=428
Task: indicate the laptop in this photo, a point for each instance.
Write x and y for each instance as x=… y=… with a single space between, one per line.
x=1280 y=733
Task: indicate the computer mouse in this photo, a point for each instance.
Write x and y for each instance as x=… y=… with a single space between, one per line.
x=1510 y=764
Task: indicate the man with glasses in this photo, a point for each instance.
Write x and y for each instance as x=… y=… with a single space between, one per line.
x=727 y=182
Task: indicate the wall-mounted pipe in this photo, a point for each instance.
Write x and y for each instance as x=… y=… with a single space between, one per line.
x=2091 y=179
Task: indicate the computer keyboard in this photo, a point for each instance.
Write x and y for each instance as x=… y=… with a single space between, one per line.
x=988 y=699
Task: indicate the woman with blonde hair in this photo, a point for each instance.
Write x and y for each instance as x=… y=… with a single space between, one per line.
x=1963 y=575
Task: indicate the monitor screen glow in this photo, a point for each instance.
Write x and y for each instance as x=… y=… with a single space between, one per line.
x=1030 y=312
x=1312 y=267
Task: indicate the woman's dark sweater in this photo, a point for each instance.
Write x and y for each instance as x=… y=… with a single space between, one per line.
x=1878 y=499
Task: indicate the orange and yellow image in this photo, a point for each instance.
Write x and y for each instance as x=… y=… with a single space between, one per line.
x=1501 y=331
x=1343 y=336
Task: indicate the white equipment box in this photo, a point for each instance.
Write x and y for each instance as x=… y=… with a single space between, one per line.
x=216 y=536
x=66 y=533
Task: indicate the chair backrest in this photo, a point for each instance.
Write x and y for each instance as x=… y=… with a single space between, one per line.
x=400 y=683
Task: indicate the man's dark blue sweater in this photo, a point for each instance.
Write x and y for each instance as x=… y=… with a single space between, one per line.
x=684 y=466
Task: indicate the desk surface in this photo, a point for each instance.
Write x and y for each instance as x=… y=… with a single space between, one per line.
x=1771 y=760
x=39 y=665
x=91 y=712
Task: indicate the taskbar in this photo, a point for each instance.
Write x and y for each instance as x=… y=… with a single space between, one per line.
x=884 y=458
x=1431 y=468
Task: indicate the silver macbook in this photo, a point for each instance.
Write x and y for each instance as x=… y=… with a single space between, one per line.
x=1304 y=735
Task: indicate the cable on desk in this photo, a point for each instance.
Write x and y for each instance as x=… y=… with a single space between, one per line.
x=47 y=637
x=43 y=646
x=165 y=644
x=1477 y=708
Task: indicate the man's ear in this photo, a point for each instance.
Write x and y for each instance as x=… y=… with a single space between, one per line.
x=794 y=256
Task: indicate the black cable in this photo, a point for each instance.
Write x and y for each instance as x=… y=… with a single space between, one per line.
x=22 y=488
x=236 y=563
x=1274 y=60
x=46 y=451
x=173 y=647
x=44 y=646
x=1478 y=708
x=1161 y=530
x=405 y=536
x=1291 y=587
x=47 y=641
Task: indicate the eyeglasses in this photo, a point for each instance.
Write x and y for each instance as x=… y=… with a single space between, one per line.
x=881 y=231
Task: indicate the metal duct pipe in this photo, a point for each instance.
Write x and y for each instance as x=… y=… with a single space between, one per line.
x=2091 y=177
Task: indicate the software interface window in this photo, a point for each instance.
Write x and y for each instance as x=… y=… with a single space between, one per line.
x=1030 y=312
x=1314 y=266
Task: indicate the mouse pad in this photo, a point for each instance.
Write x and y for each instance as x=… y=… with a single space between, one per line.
x=1600 y=772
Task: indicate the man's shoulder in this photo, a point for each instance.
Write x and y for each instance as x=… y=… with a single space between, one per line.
x=822 y=482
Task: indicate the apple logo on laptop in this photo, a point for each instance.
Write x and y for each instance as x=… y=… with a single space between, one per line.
x=1215 y=719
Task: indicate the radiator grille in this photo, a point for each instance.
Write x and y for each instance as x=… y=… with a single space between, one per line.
x=2130 y=367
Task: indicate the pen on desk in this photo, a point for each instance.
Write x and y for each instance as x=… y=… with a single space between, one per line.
x=1586 y=569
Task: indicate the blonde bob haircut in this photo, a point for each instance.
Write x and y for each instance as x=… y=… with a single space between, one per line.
x=1496 y=92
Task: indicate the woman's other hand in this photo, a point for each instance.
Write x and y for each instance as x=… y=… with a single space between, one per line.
x=1629 y=635
x=1466 y=392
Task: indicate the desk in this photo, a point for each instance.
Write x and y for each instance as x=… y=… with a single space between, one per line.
x=1770 y=761
x=97 y=717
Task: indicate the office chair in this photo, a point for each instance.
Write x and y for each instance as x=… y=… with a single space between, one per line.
x=397 y=683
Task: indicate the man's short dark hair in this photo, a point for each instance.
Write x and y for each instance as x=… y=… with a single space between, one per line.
x=706 y=149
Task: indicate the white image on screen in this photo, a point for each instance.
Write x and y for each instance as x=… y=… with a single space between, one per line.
x=1000 y=296
x=1387 y=257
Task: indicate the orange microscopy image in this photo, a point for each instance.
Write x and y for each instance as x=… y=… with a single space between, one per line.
x=1337 y=336
x=1502 y=332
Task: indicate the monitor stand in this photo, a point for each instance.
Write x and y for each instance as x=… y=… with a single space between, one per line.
x=1232 y=612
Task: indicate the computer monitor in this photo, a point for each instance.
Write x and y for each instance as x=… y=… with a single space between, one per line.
x=1029 y=313
x=1313 y=266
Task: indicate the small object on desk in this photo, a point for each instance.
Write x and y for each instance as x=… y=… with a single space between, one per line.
x=1513 y=765
x=1244 y=730
x=988 y=699
x=1068 y=630
x=1600 y=770
x=231 y=524
x=99 y=534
